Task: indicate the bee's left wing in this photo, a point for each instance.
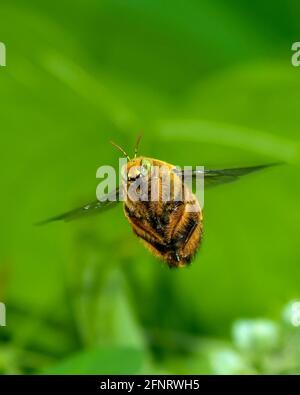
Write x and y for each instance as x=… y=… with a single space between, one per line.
x=213 y=177
x=94 y=207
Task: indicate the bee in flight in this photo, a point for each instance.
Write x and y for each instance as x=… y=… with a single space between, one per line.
x=169 y=228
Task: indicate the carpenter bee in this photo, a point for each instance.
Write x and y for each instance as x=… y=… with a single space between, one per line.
x=169 y=228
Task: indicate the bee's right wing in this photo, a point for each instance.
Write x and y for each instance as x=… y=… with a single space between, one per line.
x=214 y=177
x=94 y=207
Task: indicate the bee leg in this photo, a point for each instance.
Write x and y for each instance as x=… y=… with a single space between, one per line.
x=191 y=231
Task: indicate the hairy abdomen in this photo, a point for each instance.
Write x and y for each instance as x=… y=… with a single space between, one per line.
x=168 y=229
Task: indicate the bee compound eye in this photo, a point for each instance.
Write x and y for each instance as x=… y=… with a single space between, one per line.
x=144 y=171
x=145 y=167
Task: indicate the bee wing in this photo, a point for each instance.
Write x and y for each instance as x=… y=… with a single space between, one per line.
x=94 y=207
x=214 y=177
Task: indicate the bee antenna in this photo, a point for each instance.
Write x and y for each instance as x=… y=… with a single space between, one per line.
x=137 y=145
x=120 y=149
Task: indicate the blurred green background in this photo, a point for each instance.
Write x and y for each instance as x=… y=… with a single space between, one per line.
x=208 y=83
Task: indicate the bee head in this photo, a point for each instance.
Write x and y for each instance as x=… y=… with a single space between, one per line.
x=138 y=167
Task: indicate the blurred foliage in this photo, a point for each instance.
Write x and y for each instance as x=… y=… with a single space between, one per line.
x=209 y=83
